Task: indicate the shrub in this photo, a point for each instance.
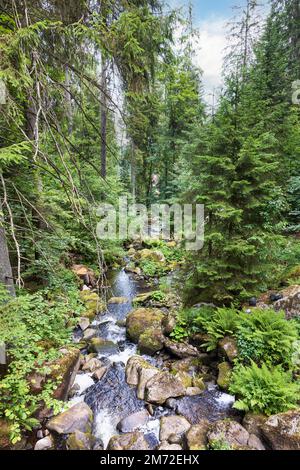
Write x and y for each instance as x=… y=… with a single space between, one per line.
x=223 y=322
x=266 y=336
x=263 y=389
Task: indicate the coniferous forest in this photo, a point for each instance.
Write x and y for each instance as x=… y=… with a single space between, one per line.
x=136 y=342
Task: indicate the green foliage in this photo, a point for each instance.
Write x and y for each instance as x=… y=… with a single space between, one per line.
x=264 y=389
x=224 y=322
x=266 y=336
x=219 y=445
x=33 y=328
x=151 y=268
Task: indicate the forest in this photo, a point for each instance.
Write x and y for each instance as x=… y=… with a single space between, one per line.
x=137 y=342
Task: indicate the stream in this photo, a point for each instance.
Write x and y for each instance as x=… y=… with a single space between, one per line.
x=112 y=399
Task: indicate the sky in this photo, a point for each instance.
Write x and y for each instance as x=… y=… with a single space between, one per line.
x=211 y=17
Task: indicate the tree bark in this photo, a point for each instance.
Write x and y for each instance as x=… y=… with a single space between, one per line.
x=103 y=117
x=6 y=276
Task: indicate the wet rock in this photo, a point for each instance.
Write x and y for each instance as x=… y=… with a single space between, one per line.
x=282 y=431
x=92 y=365
x=77 y=418
x=196 y=436
x=40 y=434
x=93 y=304
x=144 y=376
x=290 y=302
x=199 y=383
x=192 y=391
x=44 y=444
x=129 y=441
x=173 y=425
x=79 y=441
x=225 y=371
x=255 y=443
x=153 y=255
x=185 y=379
x=228 y=348
x=181 y=350
x=275 y=297
x=151 y=341
x=163 y=386
x=140 y=320
x=253 y=423
x=133 y=422
x=118 y=300
x=170 y=447
x=75 y=390
x=84 y=323
x=253 y=302
x=133 y=269
x=89 y=334
x=133 y=368
x=189 y=365
x=143 y=298
x=99 y=373
x=229 y=432
x=102 y=346
x=121 y=323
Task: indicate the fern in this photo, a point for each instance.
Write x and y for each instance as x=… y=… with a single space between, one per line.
x=263 y=389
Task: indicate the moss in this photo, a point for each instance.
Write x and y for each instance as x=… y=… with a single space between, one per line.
x=140 y=320
x=151 y=341
x=198 y=382
x=224 y=377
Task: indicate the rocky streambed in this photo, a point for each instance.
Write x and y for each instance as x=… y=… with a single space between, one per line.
x=137 y=389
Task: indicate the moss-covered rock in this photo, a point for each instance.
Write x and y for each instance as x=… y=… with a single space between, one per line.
x=77 y=418
x=93 y=303
x=139 y=320
x=199 y=383
x=80 y=441
x=130 y=441
x=151 y=341
x=185 y=378
x=152 y=255
x=99 y=346
x=196 y=436
x=225 y=371
x=228 y=348
x=64 y=371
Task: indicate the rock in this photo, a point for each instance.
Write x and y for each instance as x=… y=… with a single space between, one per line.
x=228 y=348
x=86 y=274
x=129 y=441
x=36 y=382
x=163 y=386
x=290 y=302
x=143 y=298
x=131 y=251
x=93 y=303
x=229 y=432
x=253 y=302
x=192 y=391
x=171 y=244
x=133 y=269
x=255 y=443
x=89 y=334
x=145 y=374
x=282 y=431
x=168 y=324
x=64 y=371
x=133 y=368
x=77 y=418
x=181 y=350
x=118 y=300
x=44 y=444
x=79 y=441
x=152 y=255
x=196 y=436
x=198 y=382
x=253 y=423
x=102 y=346
x=40 y=434
x=173 y=425
x=275 y=297
x=92 y=365
x=151 y=341
x=189 y=365
x=140 y=320
x=121 y=323
x=185 y=379
x=99 y=373
x=166 y=446
x=84 y=323
x=225 y=371
x=133 y=422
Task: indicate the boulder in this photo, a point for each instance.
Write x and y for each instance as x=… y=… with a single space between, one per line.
x=189 y=365
x=168 y=324
x=255 y=443
x=118 y=300
x=229 y=432
x=103 y=346
x=282 y=431
x=89 y=334
x=130 y=441
x=151 y=341
x=163 y=386
x=133 y=368
x=85 y=274
x=173 y=425
x=170 y=447
x=99 y=373
x=193 y=391
x=140 y=320
x=134 y=421
x=196 y=436
x=225 y=371
x=228 y=348
x=80 y=441
x=253 y=423
x=133 y=269
x=152 y=255
x=181 y=350
x=145 y=374
x=185 y=378
x=83 y=323
x=290 y=302
x=64 y=371
x=44 y=444
x=93 y=304
x=92 y=365
x=199 y=383
x=77 y=418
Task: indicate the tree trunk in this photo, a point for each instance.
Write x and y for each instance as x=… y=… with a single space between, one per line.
x=103 y=116
x=6 y=276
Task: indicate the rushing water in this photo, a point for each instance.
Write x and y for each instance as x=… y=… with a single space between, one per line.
x=111 y=398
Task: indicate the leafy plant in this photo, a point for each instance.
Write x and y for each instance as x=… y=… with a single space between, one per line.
x=219 y=444
x=223 y=322
x=264 y=389
x=266 y=336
